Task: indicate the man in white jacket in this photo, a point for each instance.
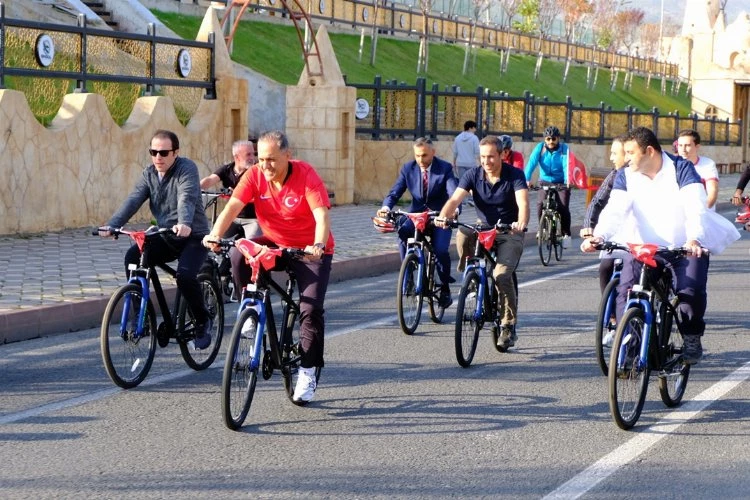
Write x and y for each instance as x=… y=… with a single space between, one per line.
x=663 y=199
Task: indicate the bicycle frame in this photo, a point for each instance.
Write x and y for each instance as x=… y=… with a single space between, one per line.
x=642 y=295
x=478 y=262
x=419 y=245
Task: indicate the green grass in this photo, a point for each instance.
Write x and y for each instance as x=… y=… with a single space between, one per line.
x=274 y=51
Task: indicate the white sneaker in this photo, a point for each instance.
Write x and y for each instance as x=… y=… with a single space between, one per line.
x=306 y=384
x=607 y=339
x=566 y=242
x=247 y=329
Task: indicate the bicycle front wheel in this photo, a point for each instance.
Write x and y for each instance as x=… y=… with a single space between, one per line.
x=673 y=379
x=628 y=374
x=467 y=326
x=409 y=301
x=605 y=329
x=239 y=378
x=200 y=359
x=127 y=355
x=545 y=239
x=558 y=243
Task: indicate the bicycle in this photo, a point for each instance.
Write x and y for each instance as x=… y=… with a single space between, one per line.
x=647 y=338
x=255 y=332
x=477 y=301
x=416 y=278
x=606 y=326
x=549 y=234
x=224 y=275
x=129 y=332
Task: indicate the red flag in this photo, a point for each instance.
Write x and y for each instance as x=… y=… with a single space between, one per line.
x=577 y=175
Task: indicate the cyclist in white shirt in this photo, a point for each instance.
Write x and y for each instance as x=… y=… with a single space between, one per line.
x=688 y=144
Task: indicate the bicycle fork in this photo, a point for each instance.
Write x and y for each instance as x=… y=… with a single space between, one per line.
x=145 y=295
x=416 y=249
x=644 y=305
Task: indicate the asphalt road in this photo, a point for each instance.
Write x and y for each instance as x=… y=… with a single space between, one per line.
x=395 y=416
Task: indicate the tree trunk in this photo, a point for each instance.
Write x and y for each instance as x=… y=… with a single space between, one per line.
x=374 y=33
x=538 y=68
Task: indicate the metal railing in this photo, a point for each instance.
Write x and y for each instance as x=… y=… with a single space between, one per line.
x=147 y=60
x=399 y=111
x=395 y=18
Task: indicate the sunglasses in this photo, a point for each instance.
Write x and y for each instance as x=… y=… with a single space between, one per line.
x=551 y=139
x=160 y=152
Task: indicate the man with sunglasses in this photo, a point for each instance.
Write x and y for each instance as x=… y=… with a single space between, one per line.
x=171 y=185
x=551 y=156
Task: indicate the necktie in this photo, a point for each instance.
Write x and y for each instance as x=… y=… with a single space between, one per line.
x=425 y=183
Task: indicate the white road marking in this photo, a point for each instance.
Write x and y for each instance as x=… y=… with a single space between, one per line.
x=629 y=451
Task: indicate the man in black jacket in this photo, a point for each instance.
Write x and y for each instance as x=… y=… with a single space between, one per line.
x=171 y=186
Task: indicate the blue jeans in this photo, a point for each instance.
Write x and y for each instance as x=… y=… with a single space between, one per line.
x=440 y=240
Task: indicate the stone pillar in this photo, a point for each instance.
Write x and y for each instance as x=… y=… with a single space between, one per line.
x=320 y=123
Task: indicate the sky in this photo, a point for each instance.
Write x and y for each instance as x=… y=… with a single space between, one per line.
x=676 y=9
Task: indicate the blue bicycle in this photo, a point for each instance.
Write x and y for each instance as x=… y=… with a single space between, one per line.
x=477 y=301
x=129 y=332
x=255 y=344
x=647 y=338
x=416 y=278
x=606 y=325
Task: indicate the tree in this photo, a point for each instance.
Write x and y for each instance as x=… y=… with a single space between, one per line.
x=628 y=23
x=549 y=10
x=374 y=31
x=508 y=9
x=529 y=11
x=602 y=12
x=478 y=8
x=649 y=40
x=575 y=14
x=422 y=61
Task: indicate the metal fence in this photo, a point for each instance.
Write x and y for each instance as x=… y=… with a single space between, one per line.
x=409 y=111
x=396 y=18
x=38 y=53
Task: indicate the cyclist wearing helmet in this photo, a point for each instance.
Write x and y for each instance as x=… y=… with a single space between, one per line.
x=436 y=175
x=551 y=156
x=509 y=156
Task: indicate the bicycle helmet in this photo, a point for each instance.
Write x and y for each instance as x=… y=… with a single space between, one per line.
x=383 y=225
x=505 y=142
x=551 y=131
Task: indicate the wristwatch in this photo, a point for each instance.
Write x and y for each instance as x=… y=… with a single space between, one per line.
x=322 y=246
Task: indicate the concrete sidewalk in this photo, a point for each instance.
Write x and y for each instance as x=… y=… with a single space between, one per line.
x=60 y=282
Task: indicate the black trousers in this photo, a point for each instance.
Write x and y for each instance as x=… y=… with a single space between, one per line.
x=191 y=254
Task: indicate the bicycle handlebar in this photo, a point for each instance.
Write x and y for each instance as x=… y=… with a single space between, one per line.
x=610 y=246
x=547 y=187
x=117 y=231
x=500 y=227
x=294 y=253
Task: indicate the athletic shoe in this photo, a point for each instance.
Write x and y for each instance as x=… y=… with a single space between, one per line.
x=445 y=299
x=507 y=336
x=692 y=350
x=306 y=385
x=566 y=242
x=202 y=335
x=608 y=338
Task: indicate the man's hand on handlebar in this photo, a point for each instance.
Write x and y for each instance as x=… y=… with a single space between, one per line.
x=589 y=244
x=211 y=241
x=383 y=212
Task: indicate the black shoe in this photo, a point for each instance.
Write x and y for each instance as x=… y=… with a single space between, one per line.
x=202 y=335
x=692 y=350
x=445 y=299
x=507 y=336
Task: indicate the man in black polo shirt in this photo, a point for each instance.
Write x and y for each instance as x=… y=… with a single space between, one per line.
x=500 y=195
x=243 y=152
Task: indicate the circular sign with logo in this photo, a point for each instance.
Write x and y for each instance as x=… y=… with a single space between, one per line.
x=184 y=63
x=44 y=50
x=361 y=109
x=365 y=14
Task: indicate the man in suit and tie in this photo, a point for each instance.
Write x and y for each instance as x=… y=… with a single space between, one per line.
x=431 y=183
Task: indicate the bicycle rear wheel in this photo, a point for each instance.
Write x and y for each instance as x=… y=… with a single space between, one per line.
x=291 y=356
x=673 y=379
x=127 y=356
x=604 y=325
x=467 y=326
x=545 y=239
x=409 y=301
x=628 y=374
x=200 y=359
x=239 y=378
